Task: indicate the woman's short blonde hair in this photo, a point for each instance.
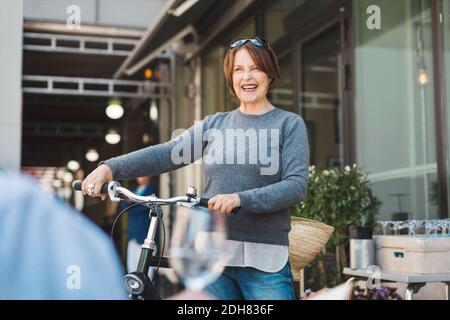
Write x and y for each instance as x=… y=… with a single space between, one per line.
x=264 y=57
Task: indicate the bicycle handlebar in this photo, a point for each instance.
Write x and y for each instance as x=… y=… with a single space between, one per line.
x=113 y=189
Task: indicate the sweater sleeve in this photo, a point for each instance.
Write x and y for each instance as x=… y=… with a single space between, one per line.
x=154 y=160
x=294 y=175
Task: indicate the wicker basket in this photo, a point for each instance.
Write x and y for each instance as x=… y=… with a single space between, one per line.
x=306 y=240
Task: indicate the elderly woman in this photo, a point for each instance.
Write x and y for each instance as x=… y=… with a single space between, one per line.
x=255 y=159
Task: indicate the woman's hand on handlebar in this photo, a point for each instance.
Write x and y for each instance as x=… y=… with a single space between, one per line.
x=224 y=203
x=98 y=177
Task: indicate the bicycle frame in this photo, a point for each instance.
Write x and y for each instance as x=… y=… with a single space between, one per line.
x=139 y=285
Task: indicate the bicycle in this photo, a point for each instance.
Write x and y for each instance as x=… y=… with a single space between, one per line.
x=137 y=283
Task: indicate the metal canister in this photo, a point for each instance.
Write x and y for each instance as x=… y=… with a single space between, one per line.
x=362 y=253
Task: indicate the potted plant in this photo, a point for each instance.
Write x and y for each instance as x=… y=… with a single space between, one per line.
x=338 y=198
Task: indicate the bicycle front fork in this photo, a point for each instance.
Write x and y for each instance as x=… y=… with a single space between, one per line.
x=138 y=284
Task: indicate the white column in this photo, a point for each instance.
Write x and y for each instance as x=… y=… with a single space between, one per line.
x=11 y=25
x=198 y=117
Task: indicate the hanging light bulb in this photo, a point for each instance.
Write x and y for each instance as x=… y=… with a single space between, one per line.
x=112 y=137
x=114 y=110
x=153 y=112
x=73 y=165
x=92 y=155
x=423 y=78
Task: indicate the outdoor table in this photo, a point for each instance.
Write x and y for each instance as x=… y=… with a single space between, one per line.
x=414 y=281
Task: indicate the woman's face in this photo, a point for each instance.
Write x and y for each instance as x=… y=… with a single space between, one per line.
x=249 y=82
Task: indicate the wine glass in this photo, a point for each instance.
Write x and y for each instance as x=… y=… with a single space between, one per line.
x=388 y=227
x=380 y=228
x=397 y=226
x=431 y=227
x=412 y=226
x=197 y=251
x=447 y=227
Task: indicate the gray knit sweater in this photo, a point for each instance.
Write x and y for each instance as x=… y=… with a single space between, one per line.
x=264 y=158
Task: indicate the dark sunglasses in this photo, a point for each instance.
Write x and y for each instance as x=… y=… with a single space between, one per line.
x=256 y=41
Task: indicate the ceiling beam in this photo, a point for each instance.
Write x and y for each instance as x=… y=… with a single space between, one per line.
x=92 y=86
x=86 y=30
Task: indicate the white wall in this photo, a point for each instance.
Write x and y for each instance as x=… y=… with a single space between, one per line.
x=10 y=84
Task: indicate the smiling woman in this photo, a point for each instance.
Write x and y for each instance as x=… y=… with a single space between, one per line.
x=262 y=189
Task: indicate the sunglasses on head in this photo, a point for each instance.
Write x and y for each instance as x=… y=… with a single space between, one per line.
x=256 y=41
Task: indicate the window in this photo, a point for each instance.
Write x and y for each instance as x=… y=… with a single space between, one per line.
x=394 y=105
x=282 y=95
x=213 y=82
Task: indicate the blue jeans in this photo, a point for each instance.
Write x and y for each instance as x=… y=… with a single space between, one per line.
x=245 y=283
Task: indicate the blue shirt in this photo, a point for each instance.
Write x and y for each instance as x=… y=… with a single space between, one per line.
x=49 y=251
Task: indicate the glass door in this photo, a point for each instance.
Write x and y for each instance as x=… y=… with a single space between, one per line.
x=320 y=96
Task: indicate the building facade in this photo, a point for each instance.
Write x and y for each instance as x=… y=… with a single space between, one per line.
x=368 y=78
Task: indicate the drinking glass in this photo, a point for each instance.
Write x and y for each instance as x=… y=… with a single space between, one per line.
x=197 y=249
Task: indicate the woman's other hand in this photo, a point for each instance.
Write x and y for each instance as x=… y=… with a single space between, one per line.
x=224 y=203
x=93 y=183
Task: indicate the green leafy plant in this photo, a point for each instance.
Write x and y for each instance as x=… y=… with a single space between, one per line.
x=338 y=198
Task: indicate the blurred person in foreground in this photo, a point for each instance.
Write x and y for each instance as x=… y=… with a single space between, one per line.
x=47 y=251
x=50 y=251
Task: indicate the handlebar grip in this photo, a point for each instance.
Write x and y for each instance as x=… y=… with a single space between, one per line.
x=77 y=186
x=204 y=203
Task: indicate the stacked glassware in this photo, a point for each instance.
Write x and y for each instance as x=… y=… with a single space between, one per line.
x=426 y=228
